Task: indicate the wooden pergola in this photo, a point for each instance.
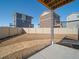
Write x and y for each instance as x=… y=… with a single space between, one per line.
x=53 y=4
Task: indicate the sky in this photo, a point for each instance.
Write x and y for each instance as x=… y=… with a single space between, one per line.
x=31 y=8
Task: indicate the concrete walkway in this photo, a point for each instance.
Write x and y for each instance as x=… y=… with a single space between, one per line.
x=57 y=52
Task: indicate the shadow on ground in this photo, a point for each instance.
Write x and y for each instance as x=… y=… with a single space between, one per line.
x=69 y=43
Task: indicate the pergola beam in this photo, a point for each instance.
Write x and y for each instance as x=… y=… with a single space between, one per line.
x=53 y=4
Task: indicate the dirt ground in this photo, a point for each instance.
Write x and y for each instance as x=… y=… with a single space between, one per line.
x=25 y=37
x=25 y=45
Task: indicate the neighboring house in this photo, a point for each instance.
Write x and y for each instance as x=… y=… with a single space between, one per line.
x=73 y=20
x=46 y=20
x=22 y=20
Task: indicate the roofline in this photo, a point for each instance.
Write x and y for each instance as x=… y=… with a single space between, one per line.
x=50 y=11
x=24 y=14
x=73 y=13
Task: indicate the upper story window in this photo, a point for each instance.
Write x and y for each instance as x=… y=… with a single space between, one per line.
x=19 y=15
x=78 y=16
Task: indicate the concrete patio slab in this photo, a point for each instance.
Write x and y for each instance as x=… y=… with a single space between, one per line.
x=57 y=52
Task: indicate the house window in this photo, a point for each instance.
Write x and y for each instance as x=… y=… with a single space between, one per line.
x=78 y=16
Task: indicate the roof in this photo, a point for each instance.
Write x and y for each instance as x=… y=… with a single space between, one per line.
x=73 y=13
x=47 y=12
x=24 y=14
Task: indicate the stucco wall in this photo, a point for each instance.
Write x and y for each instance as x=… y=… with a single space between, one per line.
x=7 y=31
x=59 y=33
x=48 y=30
x=37 y=30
